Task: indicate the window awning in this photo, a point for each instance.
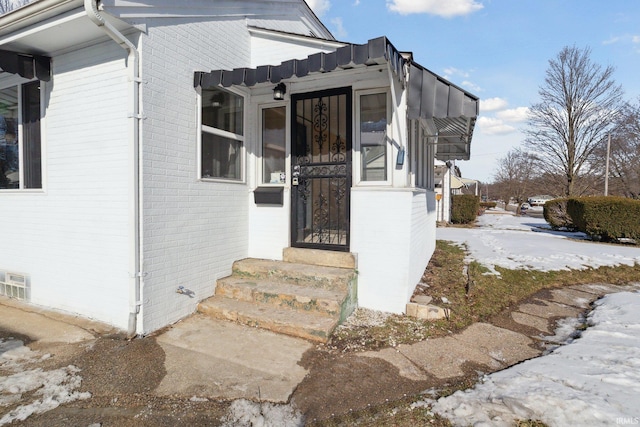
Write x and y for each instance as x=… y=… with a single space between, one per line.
x=448 y=109
x=456 y=183
x=25 y=65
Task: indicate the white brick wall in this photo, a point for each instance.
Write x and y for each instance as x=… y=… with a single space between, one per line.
x=394 y=237
x=193 y=230
x=271 y=51
x=71 y=239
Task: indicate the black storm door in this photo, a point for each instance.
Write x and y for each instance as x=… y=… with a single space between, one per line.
x=321 y=169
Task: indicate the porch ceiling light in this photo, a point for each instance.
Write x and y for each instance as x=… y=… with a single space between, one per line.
x=279 y=91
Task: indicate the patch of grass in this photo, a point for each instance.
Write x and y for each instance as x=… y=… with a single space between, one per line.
x=530 y=423
x=398 y=414
x=473 y=295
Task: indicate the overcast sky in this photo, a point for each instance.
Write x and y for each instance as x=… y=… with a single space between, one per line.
x=498 y=50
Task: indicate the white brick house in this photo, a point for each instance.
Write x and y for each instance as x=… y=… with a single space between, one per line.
x=143 y=151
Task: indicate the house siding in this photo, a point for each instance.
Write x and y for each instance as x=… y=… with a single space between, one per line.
x=192 y=230
x=70 y=239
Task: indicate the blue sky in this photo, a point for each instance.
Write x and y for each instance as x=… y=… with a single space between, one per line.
x=498 y=50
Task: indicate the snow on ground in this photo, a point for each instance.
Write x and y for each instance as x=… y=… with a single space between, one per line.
x=514 y=242
x=594 y=380
x=48 y=389
x=244 y=413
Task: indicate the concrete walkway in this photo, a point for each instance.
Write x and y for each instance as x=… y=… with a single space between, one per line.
x=222 y=359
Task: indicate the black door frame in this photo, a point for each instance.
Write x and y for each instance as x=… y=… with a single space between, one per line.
x=297 y=191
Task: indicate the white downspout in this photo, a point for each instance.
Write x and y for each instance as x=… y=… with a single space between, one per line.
x=133 y=62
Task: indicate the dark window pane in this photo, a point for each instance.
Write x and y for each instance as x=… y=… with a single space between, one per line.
x=31 y=141
x=9 y=152
x=221 y=157
x=222 y=110
x=273 y=144
x=373 y=141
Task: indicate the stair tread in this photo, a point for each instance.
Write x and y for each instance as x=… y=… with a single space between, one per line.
x=293 y=270
x=305 y=324
x=277 y=287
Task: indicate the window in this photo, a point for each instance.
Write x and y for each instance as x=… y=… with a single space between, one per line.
x=20 y=140
x=373 y=137
x=273 y=145
x=222 y=145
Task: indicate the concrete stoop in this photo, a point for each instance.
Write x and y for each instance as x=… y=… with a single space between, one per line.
x=300 y=299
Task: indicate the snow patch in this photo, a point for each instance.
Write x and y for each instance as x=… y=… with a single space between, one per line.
x=593 y=380
x=49 y=389
x=245 y=413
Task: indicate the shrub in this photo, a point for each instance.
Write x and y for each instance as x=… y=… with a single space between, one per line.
x=464 y=208
x=608 y=218
x=555 y=213
x=488 y=205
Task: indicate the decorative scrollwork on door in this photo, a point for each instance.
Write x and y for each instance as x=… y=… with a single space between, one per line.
x=321 y=156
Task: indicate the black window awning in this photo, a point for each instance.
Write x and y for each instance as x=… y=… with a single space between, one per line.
x=25 y=65
x=449 y=109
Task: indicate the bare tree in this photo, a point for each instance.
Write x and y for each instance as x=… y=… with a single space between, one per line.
x=579 y=104
x=514 y=176
x=624 y=170
x=9 y=5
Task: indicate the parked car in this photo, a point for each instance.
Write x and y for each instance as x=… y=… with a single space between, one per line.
x=539 y=200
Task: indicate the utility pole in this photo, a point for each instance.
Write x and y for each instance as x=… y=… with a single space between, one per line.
x=606 y=168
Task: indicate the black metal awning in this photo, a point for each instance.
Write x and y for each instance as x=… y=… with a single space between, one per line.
x=25 y=65
x=375 y=52
x=449 y=109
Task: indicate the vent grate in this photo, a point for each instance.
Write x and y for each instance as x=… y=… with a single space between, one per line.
x=14 y=286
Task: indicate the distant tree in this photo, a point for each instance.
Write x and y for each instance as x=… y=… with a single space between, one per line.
x=579 y=104
x=624 y=159
x=515 y=174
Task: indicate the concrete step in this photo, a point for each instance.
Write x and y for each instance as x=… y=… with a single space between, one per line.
x=296 y=273
x=309 y=325
x=320 y=257
x=327 y=301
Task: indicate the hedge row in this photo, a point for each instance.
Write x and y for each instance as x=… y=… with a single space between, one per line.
x=464 y=208
x=608 y=218
x=555 y=213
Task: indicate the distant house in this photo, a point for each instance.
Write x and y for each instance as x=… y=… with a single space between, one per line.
x=148 y=145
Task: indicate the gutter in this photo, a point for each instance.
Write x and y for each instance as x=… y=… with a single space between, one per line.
x=31 y=12
x=133 y=63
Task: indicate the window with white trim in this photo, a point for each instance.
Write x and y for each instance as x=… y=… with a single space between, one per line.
x=20 y=137
x=222 y=145
x=372 y=136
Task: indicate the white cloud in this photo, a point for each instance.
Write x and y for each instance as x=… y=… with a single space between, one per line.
x=493 y=126
x=452 y=71
x=446 y=9
x=492 y=104
x=471 y=86
x=455 y=74
x=636 y=39
x=319 y=7
x=356 y=2
x=612 y=40
x=514 y=115
x=338 y=28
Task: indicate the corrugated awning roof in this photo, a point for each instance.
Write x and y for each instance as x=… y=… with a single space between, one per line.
x=456 y=183
x=449 y=109
x=25 y=65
